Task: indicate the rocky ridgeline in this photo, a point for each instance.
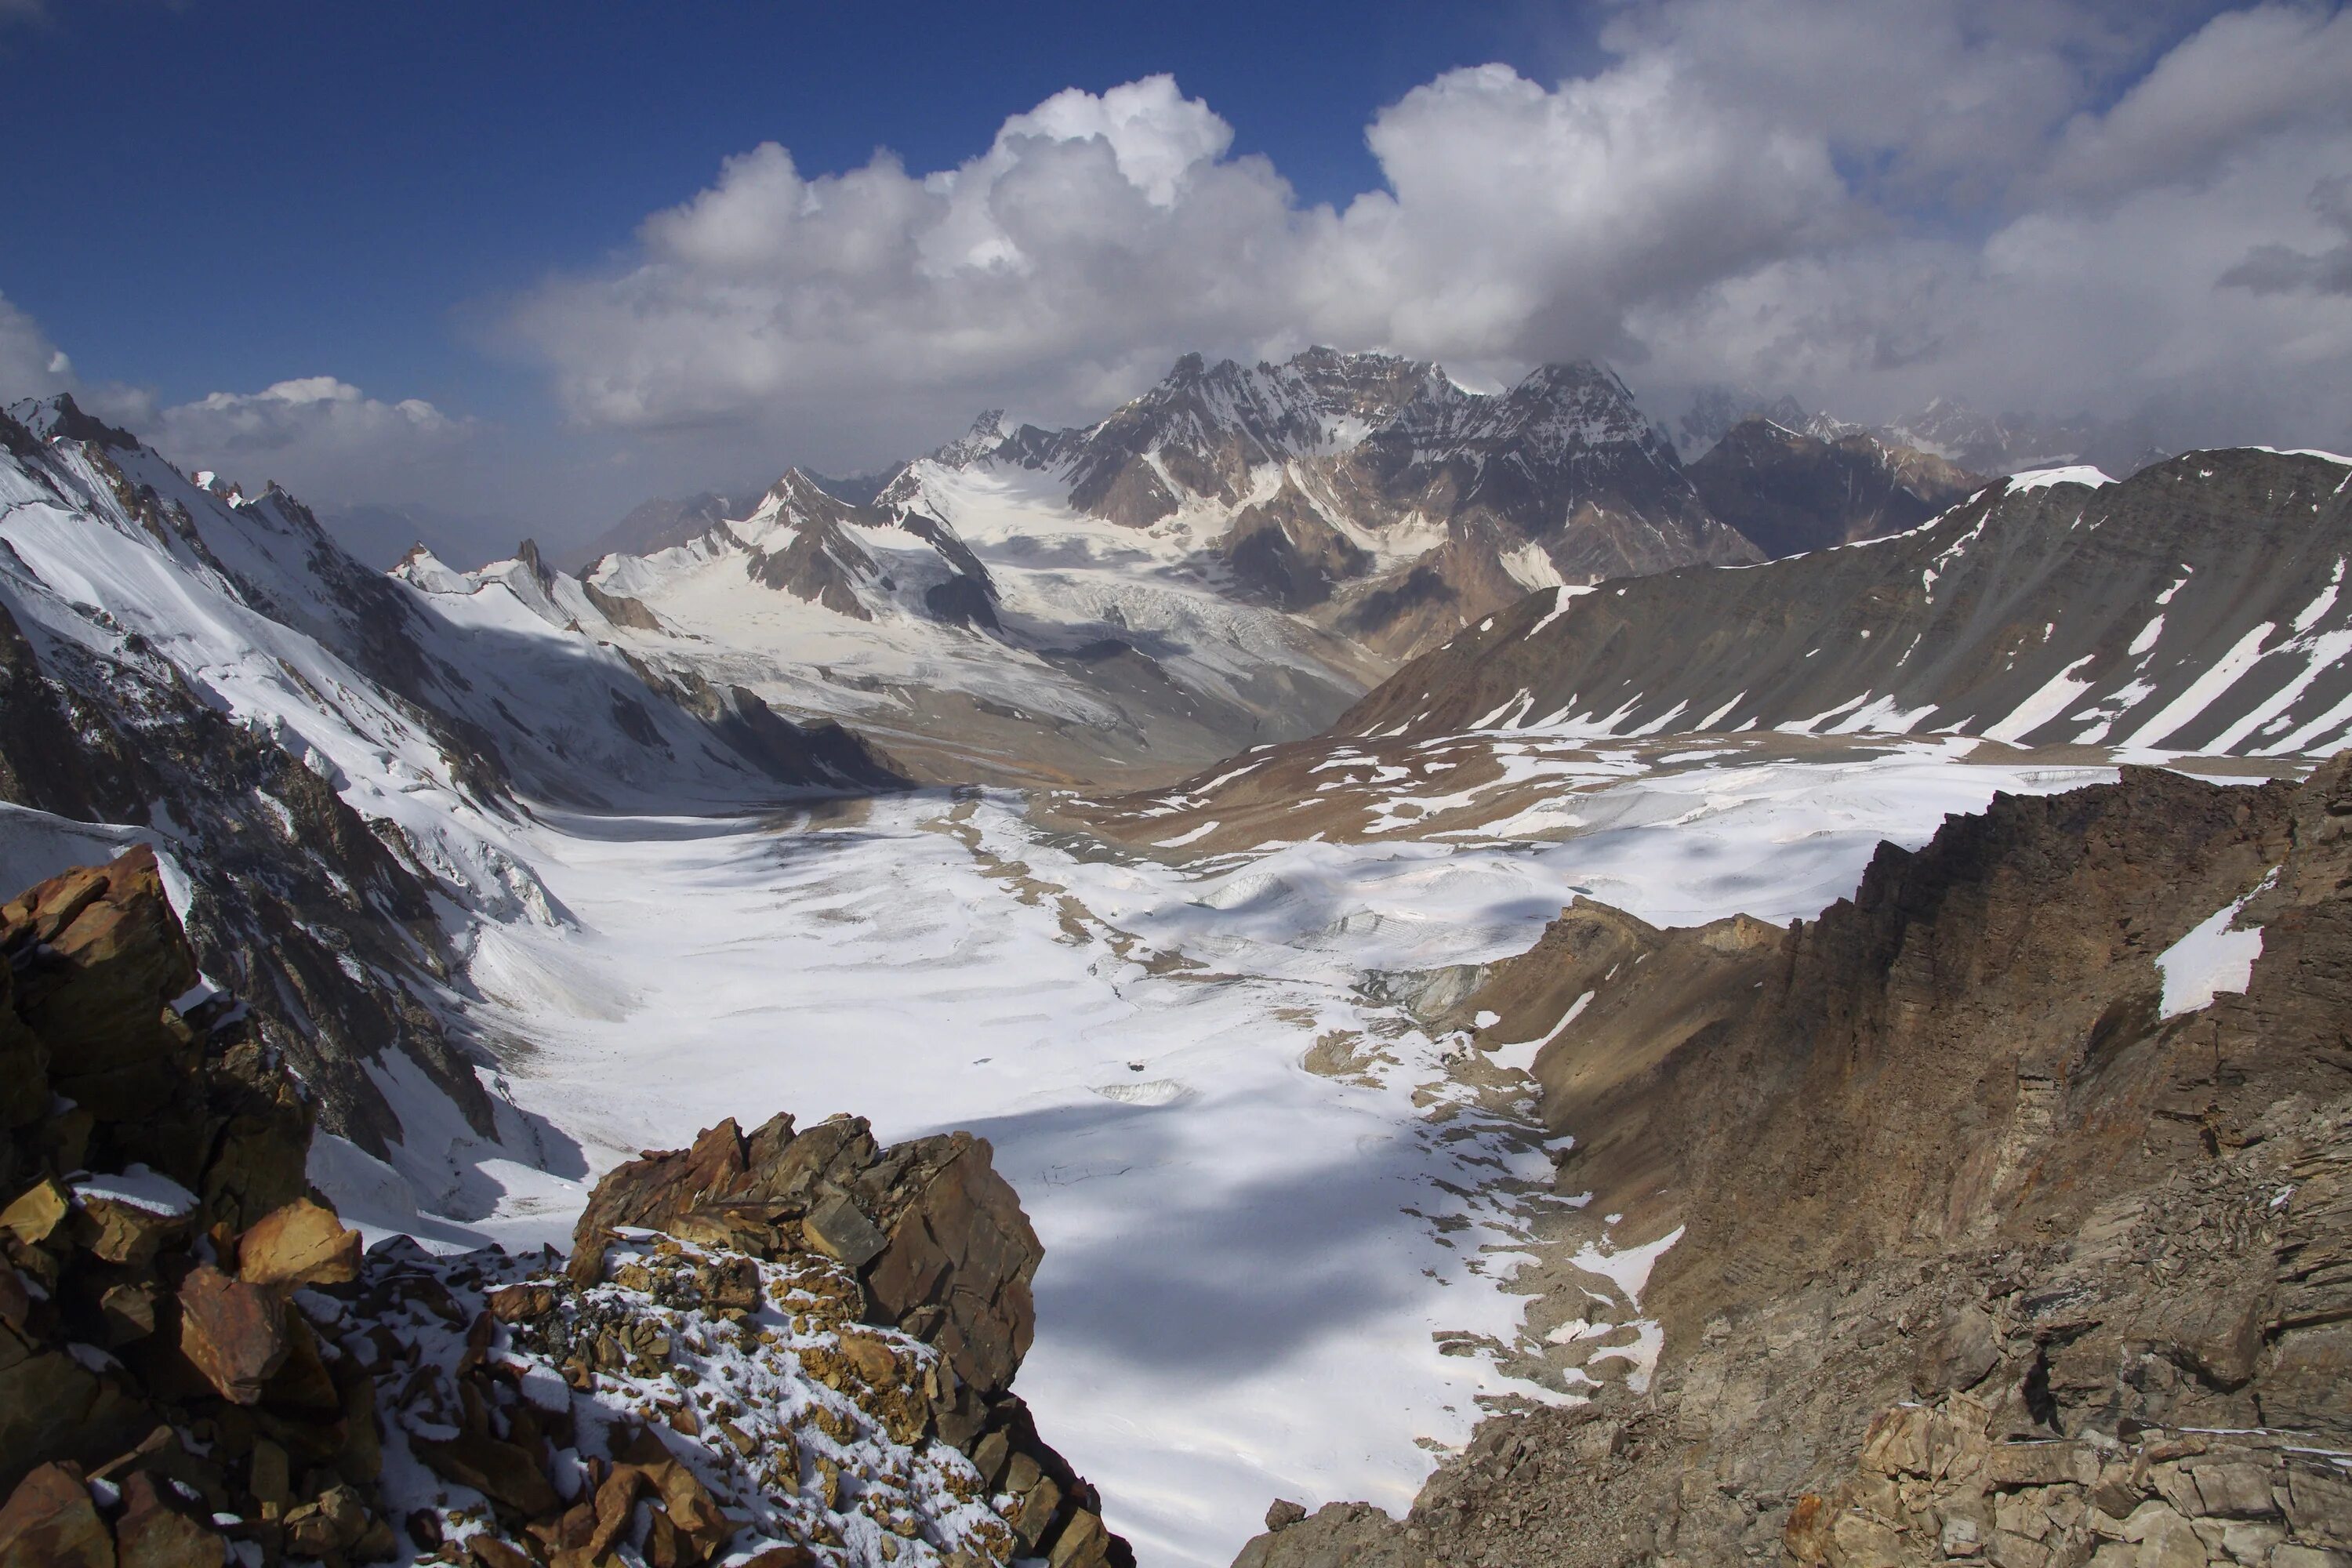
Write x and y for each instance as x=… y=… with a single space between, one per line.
x=1979 y=1255
x=774 y=1351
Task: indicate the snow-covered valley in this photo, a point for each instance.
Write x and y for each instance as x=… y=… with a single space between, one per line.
x=1302 y=1228
x=1254 y=1269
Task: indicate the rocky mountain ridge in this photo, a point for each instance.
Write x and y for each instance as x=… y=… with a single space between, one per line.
x=2195 y=605
x=1375 y=490
x=2001 y=1213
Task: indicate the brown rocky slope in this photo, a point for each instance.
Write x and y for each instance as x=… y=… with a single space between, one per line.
x=1981 y=1257
x=777 y=1352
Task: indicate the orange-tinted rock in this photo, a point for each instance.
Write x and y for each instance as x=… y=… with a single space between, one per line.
x=155 y=1531
x=514 y=1303
x=492 y=1553
x=1807 y=1533
x=50 y=1521
x=334 y=1523
x=655 y=1189
x=794 y=1556
x=127 y=1233
x=233 y=1332
x=128 y=1312
x=615 y=1499
x=37 y=1212
x=300 y=1244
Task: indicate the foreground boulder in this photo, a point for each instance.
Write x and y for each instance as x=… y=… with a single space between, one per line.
x=772 y=1352
x=930 y=1241
x=161 y=1399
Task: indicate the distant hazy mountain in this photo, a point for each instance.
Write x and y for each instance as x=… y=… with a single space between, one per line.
x=660 y=524
x=2018 y=443
x=1948 y=427
x=1715 y=410
x=1789 y=492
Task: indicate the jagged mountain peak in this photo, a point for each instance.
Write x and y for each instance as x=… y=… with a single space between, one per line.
x=797 y=494
x=1577 y=402
x=58 y=417
x=863 y=562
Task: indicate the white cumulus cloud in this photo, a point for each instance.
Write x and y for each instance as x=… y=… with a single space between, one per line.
x=33 y=366
x=2028 y=202
x=319 y=436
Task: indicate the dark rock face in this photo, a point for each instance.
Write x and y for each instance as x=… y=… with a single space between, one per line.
x=1788 y=491
x=1284 y=553
x=1981 y=1257
x=1565 y=459
x=2057 y=614
x=196 y=1136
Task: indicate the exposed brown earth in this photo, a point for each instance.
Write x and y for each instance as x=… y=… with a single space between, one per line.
x=1978 y=1256
x=1525 y=786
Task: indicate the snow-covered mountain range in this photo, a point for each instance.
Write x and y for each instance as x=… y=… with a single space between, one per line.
x=334 y=759
x=1230 y=558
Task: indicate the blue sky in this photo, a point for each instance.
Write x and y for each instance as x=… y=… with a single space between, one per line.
x=530 y=264
x=240 y=192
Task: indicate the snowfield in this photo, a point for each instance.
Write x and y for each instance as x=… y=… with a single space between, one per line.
x=1248 y=1263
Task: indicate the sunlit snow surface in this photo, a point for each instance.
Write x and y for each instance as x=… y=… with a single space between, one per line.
x=2211 y=959
x=1235 y=1302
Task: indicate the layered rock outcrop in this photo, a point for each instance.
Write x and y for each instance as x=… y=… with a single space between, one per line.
x=1989 y=1248
x=775 y=1352
x=932 y=1242
x=159 y=1392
